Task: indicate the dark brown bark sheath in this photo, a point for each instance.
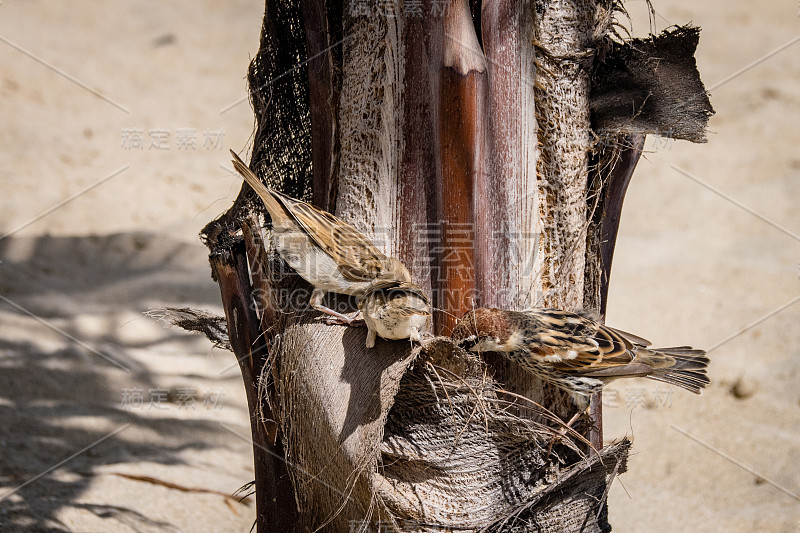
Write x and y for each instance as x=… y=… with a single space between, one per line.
x=462 y=145
x=275 y=508
x=323 y=96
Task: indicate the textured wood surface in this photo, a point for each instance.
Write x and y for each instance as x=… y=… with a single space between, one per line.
x=275 y=509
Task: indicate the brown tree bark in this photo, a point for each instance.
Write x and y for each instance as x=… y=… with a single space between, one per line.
x=275 y=509
x=461 y=148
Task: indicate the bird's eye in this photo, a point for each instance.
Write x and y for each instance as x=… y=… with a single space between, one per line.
x=469 y=342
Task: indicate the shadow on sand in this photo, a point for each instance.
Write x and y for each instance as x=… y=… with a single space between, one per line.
x=60 y=401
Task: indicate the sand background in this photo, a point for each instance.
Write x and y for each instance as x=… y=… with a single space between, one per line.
x=99 y=230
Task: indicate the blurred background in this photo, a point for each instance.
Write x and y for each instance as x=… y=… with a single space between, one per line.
x=117 y=119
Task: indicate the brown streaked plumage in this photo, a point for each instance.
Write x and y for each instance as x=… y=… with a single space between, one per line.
x=395 y=311
x=327 y=252
x=575 y=352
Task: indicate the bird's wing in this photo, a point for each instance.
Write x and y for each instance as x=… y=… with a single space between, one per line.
x=404 y=303
x=594 y=317
x=575 y=344
x=358 y=259
x=400 y=294
x=635 y=339
x=407 y=309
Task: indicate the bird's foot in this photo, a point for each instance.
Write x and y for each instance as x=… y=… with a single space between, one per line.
x=354 y=322
x=333 y=318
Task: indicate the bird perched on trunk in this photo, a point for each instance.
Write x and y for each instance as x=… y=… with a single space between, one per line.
x=575 y=352
x=333 y=256
x=395 y=312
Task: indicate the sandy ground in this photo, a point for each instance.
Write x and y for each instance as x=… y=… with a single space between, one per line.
x=116 y=121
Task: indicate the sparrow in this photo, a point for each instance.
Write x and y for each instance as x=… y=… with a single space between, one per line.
x=326 y=251
x=575 y=352
x=395 y=311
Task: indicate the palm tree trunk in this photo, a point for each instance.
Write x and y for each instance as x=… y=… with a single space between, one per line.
x=471 y=156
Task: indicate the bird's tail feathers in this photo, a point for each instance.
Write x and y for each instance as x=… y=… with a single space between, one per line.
x=273 y=206
x=687 y=368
